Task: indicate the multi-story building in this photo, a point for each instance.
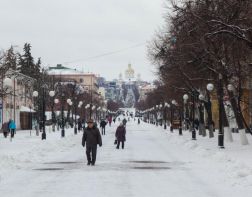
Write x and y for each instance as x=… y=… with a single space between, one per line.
x=17 y=102
x=88 y=80
x=144 y=90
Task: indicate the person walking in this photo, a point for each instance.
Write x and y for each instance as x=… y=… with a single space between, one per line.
x=91 y=137
x=5 y=129
x=12 y=127
x=138 y=121
x=110 y=120
x=124 y=122
x=120 y=135
x=79 y=125
x=103 y=124
x=9 y=125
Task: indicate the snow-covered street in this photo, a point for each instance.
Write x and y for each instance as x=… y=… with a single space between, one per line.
x=154 y=163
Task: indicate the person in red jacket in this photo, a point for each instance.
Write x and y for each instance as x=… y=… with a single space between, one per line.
x=120 y=135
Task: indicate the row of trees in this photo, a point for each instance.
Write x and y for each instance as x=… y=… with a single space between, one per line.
x=23 y=63
x=204 y=41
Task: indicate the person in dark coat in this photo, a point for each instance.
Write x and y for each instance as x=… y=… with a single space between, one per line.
x=103 y=124
x=79 y=125
x=124 y=122
x=138 y=121
x=5 y=129
x=9 y=125
x=91 y=137
x=120 y=135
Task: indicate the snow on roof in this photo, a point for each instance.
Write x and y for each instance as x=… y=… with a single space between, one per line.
x=26 y=109
x=147 y=87
x=68 y=72
x=64 y=72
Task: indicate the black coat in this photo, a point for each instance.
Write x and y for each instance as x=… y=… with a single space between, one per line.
x=103 y=123
x=124 y=121
x=91 y=137
x=121 y=134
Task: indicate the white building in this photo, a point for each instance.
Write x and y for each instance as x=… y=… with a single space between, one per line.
x=17 y=102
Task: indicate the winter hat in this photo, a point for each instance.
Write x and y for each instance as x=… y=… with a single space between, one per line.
x=90 y=121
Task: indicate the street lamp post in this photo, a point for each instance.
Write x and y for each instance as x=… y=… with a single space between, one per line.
x=157 y=106
x=92 y=108
x=202 y=130
x=161 y=120
x=75 y=114
x=35 y=95
x=62 y=114
x=180 y=108
x=193 y=115
x=221 y=111
x=43 y=113
x=185 y=98
x=172 y=112
x=52 y=94
x=210 y=88
x=165 y=115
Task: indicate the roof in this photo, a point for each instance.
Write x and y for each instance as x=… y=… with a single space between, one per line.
x=26 y=109
x=147 y=87
x=62 y=70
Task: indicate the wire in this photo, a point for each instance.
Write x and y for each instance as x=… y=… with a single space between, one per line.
x=105 y=54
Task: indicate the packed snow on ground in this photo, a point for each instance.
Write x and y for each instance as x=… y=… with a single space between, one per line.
x=154 y=162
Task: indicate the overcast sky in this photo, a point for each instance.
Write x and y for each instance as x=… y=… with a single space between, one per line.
x=63 y=31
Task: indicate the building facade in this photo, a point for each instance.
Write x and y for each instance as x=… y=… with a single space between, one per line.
x=17 y=101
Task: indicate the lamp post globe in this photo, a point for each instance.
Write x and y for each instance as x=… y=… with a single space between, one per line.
x=68 y=101
x=52 y=93
x=7 y=82
x=230 y=87
x=210 y=87
x=56 y=101
x=35 y=94
x=185 y=97
x=201 y=97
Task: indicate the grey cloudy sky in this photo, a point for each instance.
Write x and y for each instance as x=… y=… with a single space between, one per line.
x=63 y=31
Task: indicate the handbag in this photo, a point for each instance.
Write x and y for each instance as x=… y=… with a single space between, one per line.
x=115 y=142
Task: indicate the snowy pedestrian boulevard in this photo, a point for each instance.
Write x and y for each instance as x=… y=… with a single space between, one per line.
x=154 y=163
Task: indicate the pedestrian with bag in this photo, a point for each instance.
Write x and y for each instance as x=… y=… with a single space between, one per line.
x=120 y=135
x=103 y=124
x=91 y=138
